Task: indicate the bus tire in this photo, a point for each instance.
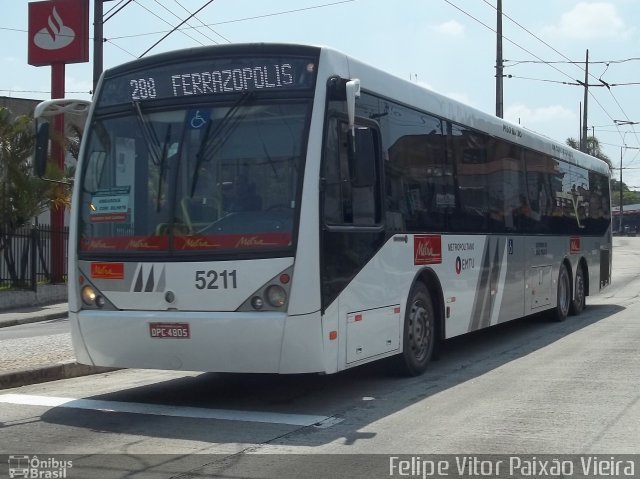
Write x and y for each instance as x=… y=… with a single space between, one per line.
x=561 y=311
x=579 y=299
x=419 y=332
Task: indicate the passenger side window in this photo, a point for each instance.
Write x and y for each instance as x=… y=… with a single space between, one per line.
x=418 y=180
x=350 y=181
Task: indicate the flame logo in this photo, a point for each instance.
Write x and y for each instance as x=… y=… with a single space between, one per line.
x=56 y=36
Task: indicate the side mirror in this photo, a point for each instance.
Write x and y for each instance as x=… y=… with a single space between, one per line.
x=353 y=91
x=41 y=153
x=362 y=157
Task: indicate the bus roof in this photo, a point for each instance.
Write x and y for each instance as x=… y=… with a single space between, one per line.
x=390 y=86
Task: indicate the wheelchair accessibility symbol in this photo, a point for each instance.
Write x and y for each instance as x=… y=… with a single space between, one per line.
x=198 y=118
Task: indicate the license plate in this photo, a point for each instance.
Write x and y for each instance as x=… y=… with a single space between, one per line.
x=169 y=330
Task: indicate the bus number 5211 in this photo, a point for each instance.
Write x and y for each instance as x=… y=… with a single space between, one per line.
x=213 y=280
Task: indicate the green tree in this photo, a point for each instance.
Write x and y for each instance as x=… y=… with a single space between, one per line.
x=629 y=197
x=23 y=195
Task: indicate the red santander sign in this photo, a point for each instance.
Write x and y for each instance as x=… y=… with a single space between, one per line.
x=58 y=32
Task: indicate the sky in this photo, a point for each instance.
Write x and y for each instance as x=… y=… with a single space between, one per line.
x=446 y=45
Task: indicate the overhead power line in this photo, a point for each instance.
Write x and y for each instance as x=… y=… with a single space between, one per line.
x=568 y=62
x=176 y=28
x=236 y=20
x=108 y=15
x=505 y=37
x=204 y=24
x=576 y=83
x=540 y=59
x=244 y=19
x=584 y=69
x=168 y=23
x=171 y=12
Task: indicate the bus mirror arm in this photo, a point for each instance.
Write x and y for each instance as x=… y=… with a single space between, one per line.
x=42 y=148
x=49 y=109
x=353 y=92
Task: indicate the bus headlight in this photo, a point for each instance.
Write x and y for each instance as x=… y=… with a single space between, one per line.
x=89 y=295
x=91 y=298
x=272 y=295
x=276 y=295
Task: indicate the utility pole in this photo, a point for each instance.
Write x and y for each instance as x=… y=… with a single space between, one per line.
x=621 y=231
x=98 y=41
x=98 y=38
x=499 y=63
x=583 y=139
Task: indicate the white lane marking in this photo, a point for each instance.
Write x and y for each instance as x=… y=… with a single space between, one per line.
x=163 y=410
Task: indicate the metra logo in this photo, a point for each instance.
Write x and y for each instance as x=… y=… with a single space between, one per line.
x=141 y=244
x=427 y=249
x=252 y=241
x=107 y=270
x=574 y=245
x=198 y=243
x=99 y=244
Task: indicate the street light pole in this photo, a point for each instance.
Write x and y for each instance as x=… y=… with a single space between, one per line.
x=499 y=64
x=621 y=230
x=98 y=35
x=98 y=38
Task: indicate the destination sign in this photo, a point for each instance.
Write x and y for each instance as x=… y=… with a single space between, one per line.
x=210 y=77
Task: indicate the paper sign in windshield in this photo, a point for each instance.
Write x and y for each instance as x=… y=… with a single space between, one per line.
x=110 y=205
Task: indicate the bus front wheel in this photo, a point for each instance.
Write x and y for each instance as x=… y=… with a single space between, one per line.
x=419 y=332
x=564 y=295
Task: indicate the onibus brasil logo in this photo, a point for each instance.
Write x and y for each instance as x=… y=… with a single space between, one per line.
x=37 y=468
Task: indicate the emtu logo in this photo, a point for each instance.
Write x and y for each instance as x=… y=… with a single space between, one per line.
x=55 y=35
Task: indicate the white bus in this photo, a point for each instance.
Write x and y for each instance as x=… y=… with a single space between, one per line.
x=274 y=208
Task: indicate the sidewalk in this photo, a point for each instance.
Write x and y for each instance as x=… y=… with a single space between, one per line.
x=33 y=314
x=40 y=358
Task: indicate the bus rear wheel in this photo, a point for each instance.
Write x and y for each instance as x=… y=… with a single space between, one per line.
x=579 y=299
x=564 y=295
x=419 y=332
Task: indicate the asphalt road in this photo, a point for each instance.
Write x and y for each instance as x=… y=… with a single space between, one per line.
x=529 y=387
x=34 y=330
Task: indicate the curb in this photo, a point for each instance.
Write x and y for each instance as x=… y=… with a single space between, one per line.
x=49 y=373
x=33 y=319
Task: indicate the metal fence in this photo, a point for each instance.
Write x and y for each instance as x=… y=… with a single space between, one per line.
x=25 y=256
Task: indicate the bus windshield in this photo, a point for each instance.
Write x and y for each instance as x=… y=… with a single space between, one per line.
x=219 y=178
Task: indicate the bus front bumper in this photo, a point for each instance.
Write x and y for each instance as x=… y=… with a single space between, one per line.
x=252 y=342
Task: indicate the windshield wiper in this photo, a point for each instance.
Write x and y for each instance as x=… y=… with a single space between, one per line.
x=149 y=134
x=163 y=162
x=223 y=129
x=153 y=144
